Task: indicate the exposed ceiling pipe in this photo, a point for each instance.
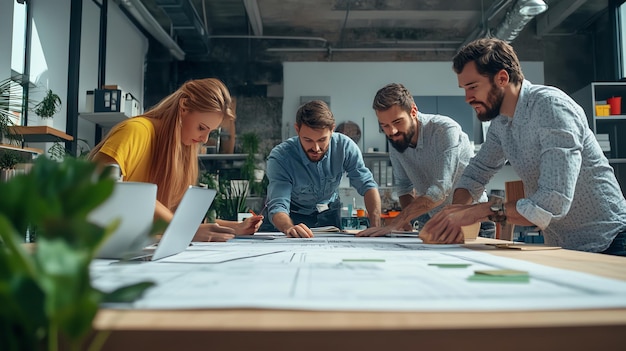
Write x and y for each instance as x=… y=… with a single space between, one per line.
x=143 y=16
x=187 y=24
x=326 y=48
x=421 y=42
x=268 y=37
x=482 y=29
x=355 y=49
x=522 y=12
x=390 y=49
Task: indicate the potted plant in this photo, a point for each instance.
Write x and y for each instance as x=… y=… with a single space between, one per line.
x=230 y=199
x=236 y=193
x=45 y=289
x=252 y=169
x=250 y=147
x=48 y=106
x=57 y=151
x=8 y=160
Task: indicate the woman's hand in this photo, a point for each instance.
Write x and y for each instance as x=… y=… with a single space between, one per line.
x=213 y=232
x=249 y=225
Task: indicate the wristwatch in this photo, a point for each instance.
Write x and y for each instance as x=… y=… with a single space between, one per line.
x=499 y=215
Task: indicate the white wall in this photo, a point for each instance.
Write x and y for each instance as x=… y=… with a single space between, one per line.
x=49 y=55
x=126 y=50
x=352 y=86
x=125 y=58
x=126 y=53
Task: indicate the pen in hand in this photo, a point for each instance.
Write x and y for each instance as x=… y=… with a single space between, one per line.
x=262 y=210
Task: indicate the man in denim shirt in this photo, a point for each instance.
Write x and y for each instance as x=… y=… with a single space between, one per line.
x=571 y=192
x=304 y=174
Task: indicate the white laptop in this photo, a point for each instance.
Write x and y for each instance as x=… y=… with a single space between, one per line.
x=127 y=243
x=133 y=204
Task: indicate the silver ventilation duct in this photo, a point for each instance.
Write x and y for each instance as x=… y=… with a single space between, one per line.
x=517 y=17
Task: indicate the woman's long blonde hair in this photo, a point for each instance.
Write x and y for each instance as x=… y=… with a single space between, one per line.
x=174 y=166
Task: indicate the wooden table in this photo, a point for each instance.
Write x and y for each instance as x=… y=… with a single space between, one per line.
x=307 y=330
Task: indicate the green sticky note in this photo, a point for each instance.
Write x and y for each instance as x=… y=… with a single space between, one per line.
x=450 y=265
x=363 y=260
x=500 y=276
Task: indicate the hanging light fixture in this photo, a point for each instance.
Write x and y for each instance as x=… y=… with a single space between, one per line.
x=517 y=17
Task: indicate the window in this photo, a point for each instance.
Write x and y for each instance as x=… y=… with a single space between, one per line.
x=19 y=38
x=18 y=55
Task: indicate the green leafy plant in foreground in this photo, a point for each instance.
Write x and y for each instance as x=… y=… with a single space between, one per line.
x=46 y=296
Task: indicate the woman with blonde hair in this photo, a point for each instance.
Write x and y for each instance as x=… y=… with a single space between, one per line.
x=161 y=147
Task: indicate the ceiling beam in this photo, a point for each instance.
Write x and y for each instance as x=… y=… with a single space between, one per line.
x=187 y=25
x=254 y=16
x=556 y=14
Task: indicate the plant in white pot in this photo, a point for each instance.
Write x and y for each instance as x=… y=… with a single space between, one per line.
x=48 y=106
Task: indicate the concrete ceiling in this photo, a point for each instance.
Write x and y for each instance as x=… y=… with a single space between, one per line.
x=352 y=30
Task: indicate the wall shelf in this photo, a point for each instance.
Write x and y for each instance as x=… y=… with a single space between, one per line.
x=609 y=118
x=104 y=119
x=40 y=134
x=29 y=150
x=612 y=126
